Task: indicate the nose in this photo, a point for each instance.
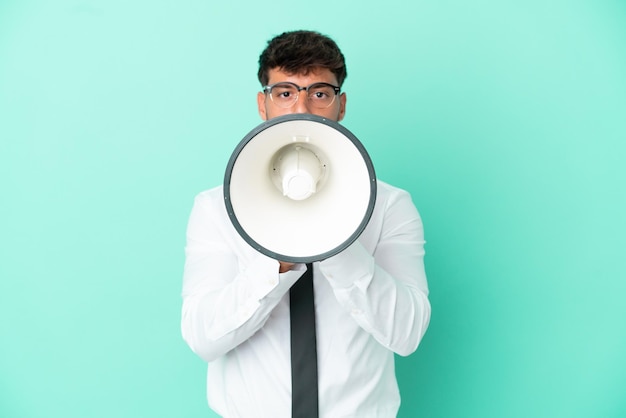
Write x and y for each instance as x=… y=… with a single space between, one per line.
x=302 y=104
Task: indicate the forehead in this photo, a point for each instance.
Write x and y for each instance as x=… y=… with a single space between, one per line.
x=315 y=75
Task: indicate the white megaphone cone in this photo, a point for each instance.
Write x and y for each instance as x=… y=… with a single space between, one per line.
x=300 y=188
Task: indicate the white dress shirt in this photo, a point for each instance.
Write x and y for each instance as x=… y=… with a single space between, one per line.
x=371 y=300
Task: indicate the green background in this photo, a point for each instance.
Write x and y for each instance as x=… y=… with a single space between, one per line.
x=506 y=120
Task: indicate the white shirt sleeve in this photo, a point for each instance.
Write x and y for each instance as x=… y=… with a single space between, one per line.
x=384 y=286
x=225 y=301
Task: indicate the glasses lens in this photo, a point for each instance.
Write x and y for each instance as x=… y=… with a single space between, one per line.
x=284 y=94
x=321 y=95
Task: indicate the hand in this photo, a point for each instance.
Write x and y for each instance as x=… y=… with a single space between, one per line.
x=284 y=266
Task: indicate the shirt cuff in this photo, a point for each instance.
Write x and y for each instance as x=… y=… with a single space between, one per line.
x=354 y=266
x=265 y=281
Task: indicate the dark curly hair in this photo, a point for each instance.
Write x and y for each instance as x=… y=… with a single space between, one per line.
x=299 y=52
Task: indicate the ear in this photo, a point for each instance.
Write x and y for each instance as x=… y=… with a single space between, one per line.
x=342 y=106
x=260 y=101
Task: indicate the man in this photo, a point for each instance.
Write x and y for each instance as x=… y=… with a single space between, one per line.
x=371 y=300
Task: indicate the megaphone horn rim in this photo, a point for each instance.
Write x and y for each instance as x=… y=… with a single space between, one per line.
x=284 y=119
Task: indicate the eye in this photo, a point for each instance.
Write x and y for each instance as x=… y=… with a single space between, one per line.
x=284 y=91
x=321 y=92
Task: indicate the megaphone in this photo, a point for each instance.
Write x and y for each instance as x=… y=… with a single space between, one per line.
x=300 y=188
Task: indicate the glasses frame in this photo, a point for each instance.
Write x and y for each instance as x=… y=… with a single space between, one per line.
x=268 y=90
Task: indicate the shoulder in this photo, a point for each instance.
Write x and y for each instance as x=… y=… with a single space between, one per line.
x=387 y=188
x=209 y=204
x=394 y=201
x=210 y=196
x=385 y=192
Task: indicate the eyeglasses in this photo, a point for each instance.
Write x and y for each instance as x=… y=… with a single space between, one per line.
x=285 y=94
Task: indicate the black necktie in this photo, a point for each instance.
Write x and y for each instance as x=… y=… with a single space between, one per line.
x=303 y=348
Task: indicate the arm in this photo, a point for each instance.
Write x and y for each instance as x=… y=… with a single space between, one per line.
x=381 y=279
x=228 y=291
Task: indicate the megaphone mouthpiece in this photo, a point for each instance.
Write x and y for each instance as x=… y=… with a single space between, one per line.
x=299 y=171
